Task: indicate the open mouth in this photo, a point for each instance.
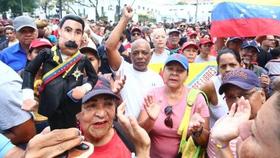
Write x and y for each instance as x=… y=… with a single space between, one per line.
x=100 y=124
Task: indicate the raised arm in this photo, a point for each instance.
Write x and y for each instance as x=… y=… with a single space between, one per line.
x=111 y=44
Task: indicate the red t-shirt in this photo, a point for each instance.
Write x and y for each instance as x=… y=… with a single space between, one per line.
x=113 y=149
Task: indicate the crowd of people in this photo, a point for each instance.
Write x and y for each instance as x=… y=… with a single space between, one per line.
x=80 y=88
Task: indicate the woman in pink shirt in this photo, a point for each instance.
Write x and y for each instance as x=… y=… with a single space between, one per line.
x=164 y=107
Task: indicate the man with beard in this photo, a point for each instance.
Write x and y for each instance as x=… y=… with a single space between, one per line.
x=16 y=55
x=62 y=75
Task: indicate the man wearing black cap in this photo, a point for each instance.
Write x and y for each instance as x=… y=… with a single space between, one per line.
x=234 y=43
x=237 y=85
x=249 y=54
x=62 y=74
x=16 y=55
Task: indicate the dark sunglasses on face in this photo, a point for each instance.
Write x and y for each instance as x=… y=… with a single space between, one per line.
x=136 y=34
x=168 y=120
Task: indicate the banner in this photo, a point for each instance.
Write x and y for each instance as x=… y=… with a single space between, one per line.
x=239 y=18
x=199 y=73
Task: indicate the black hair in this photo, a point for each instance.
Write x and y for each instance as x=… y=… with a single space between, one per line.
x=275 y=53
x=226 y=51
x=10 y=28
x=72 y=17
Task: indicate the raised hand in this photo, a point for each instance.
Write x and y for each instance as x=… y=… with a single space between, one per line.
x=265 y=80
x=226 y=128
x=152 y=108
x=127 y=12
x=196 y=123
x=118 y=83
x=138 y=135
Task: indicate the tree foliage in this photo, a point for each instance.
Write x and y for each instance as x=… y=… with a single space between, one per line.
x=15 y=6
x=89 y=4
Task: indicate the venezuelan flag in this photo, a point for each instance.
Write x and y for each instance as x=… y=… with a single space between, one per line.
x=245 y=18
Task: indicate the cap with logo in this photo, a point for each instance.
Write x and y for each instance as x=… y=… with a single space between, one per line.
x=242 y=78
x=102 y=86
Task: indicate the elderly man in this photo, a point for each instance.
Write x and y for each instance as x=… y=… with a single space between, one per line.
x=16 y=55
x=173 y=41
x=139 y=79
x=237 y=84
x=249 y=55
x=260 y=137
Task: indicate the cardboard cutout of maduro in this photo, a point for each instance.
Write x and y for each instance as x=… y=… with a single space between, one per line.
x=63 y=68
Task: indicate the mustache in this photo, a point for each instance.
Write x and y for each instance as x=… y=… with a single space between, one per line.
x=71 y=44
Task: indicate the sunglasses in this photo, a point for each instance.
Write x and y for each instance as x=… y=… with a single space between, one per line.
x=168 y=120
x=136 y=34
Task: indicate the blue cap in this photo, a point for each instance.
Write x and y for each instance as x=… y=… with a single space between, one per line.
x=178 y=58
x=102 y=86
x=250 y=43
x=242 y=78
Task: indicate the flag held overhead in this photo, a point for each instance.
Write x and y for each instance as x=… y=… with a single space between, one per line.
x=245 y=18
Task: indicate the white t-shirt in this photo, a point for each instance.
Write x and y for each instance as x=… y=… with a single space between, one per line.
x=198 y=59
x=137 y=86
x=159 y=58
x=12 y=43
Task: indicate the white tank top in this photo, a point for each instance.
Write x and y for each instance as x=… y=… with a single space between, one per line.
x=221 y=109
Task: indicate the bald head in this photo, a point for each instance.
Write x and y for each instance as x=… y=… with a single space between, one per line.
x=140 y=54
x=139 y=42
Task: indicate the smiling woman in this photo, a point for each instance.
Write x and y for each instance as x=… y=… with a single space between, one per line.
x=96 y=122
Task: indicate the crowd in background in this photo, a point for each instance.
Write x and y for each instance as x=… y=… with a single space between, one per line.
x=246 y=88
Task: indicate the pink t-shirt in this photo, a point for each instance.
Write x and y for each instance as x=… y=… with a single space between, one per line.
x=164 y=140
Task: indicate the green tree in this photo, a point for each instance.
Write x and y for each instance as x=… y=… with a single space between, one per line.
x=47 y=5
x=16 y=8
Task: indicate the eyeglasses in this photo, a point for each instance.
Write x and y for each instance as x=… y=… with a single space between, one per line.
x=136 y=34
x=168 y=120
